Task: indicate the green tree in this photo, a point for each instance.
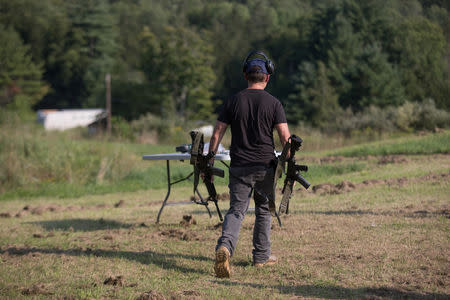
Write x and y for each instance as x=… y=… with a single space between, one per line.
x=374 y=81
x=347 y=37
x=315 y=99
x=131 y=17
x=178 y=67
x=228 y=28
x=20 y=79
x=43 y=26
x=93 y=34
x=418 y=49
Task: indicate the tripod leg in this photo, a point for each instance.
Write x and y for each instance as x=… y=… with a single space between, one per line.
x=205 y=203
x=168 y=193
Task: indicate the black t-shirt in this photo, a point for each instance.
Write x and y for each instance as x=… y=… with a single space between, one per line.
x=252 y=115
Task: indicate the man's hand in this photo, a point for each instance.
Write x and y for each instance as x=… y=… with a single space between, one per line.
x=210 y=156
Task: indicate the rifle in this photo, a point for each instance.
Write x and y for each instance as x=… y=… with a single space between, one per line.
x=202 y=165
x=292 y=173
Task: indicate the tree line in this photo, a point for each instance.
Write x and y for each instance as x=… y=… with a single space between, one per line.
x=181 y=59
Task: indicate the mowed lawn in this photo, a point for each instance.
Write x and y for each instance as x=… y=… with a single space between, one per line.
x=378 y=229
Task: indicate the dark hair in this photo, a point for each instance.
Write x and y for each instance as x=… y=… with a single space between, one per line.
x=254 y=75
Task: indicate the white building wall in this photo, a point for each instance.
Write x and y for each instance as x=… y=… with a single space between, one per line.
x=68 y=118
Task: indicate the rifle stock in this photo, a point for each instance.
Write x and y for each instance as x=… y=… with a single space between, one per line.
x=217 y=172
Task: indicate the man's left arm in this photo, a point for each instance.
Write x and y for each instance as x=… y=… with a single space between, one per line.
x=283 y=132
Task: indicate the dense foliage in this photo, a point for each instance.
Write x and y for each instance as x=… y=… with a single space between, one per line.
x=180 y=59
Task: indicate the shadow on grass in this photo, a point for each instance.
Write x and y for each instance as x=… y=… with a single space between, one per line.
x=415 y=214
x=419 y=214
x=166 y=261
x=337 y=292
x=80 y=224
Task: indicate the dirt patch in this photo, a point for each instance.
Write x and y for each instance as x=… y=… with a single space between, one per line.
x=150 y=204
x=223 y=197
x=151 y=295
x=331 y=159
x=190 y=293
x=392 y=159
x=188 y=220
x=100 y=206
x=187 y=294
x=20 y=214
x=436 y=177
x=324 y=160
x=108 y=237
x=41 y=236
x=220 y=197
x=41 y=209
x=347 y=186
x=217 y=226
x=37 y=289
x=114 y=281
x=445 y=213
x=5 y=215
x=326 y=188
x=121 y=203
x=194 y=199
x=335 y=159
x=118 y=281
x=180 y=234
x=373 y=182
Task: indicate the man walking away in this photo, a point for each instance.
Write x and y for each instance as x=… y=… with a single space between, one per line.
x=252 y=114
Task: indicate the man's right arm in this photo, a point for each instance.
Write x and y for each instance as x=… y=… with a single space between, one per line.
x=217 y=136
x=283 y=132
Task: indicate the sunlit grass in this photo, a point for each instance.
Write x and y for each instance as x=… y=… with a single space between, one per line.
x=428 y=144
x=38 y=163
x=375 y=241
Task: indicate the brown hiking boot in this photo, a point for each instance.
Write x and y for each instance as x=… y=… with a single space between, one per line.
x=270 y=262
x=222 y=266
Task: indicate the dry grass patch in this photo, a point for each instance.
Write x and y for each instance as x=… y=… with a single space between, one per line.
x=372 y=241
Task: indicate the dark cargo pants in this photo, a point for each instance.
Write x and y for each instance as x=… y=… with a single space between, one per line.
x=242 y=181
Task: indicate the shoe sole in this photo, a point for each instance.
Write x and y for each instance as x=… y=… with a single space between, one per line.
x=265 y=264
x=222 y=266
x=270 y=262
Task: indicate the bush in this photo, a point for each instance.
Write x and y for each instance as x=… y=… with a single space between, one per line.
x=170 y=131
x=405 y=118
x=31 y=157
x=150 y=123
x=427 y=116
x=121 y=129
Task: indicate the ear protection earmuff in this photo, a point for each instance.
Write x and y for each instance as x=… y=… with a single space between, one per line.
x=269 y=64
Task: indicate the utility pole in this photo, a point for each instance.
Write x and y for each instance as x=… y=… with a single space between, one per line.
x=108 y=103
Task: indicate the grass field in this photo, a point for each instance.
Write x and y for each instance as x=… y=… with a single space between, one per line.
x=374 y=225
